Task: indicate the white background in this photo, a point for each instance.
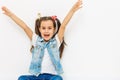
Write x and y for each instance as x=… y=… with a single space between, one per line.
x=92 y=37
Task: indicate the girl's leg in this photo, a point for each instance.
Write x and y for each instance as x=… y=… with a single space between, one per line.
x=56 y=77
x=28 y=77
x=47 y=76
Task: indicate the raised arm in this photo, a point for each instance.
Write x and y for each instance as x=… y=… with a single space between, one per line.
x=75 y=7
x=18 y=21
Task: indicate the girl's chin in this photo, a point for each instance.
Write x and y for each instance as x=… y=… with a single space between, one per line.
x=46 y=39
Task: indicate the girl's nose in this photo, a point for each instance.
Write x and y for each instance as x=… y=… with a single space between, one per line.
x=46 y=30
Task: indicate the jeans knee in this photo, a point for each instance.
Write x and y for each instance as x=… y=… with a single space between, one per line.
x=57 y=78
x=21 y=78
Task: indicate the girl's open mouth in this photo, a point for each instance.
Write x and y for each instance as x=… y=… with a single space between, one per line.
x=46 y=35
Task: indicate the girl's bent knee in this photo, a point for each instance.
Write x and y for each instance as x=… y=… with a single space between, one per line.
x=57 y=78
x=22 y=78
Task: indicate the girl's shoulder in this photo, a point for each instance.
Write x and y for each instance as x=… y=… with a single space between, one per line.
x=34 y=38
x=57 y=39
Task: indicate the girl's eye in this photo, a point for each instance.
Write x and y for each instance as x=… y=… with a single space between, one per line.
x=43 y=27
x=49 y=28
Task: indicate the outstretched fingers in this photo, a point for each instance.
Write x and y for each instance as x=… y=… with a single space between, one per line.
x=80 y=3
x=77 y=5
x=6 y=11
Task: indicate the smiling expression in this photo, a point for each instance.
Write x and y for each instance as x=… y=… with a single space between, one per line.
x=47 y=30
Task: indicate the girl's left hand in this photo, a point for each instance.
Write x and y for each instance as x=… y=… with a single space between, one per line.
x=77 y=5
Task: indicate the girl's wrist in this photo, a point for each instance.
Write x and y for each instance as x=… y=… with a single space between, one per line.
x=10 y=14
x=73 y=10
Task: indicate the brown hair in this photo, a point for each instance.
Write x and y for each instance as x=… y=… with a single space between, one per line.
x=57 y=23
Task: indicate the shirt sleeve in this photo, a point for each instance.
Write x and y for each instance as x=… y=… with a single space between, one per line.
x=34 y=38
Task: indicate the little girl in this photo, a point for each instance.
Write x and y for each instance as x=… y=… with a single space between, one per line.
x=47 y=44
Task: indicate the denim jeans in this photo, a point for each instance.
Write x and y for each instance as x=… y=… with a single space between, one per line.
x=44 y=76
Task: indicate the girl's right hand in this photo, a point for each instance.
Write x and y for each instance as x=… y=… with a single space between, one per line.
x=6 y=11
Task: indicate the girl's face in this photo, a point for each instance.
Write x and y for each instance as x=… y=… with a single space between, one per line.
x=47 y=30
